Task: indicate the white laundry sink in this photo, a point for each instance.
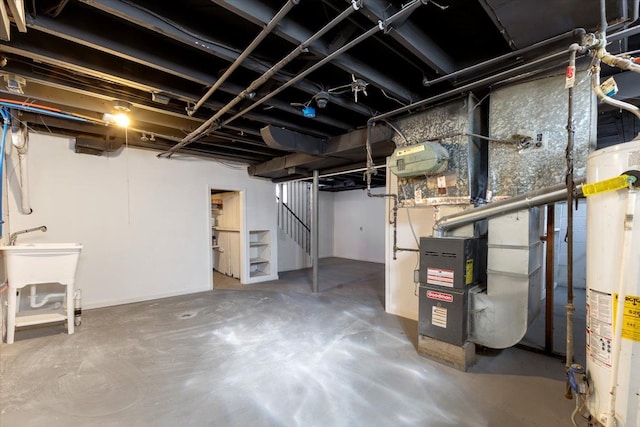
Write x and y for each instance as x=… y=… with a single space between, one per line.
x=32 y=263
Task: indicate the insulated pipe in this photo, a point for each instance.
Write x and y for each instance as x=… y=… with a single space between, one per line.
x=528 y=200
x=498 y=59
x=210 y=123
x=259 y=38
x=315 y=246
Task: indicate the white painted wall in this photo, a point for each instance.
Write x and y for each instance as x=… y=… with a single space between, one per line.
x=144 y=221
x=401 y=292
x=326 y=214
x=359 y=224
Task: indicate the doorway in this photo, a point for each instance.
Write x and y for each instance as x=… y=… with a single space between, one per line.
x=227 y=235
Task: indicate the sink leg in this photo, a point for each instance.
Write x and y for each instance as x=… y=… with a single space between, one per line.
x=11 y=314
x=70 y=309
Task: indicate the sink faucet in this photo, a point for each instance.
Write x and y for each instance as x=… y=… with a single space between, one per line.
x=14 y=236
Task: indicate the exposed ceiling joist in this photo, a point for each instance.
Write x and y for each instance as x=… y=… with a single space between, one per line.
x=258 y=13
x=411 y=37
x=146 y=20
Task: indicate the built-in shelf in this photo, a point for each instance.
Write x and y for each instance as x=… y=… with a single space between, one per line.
x=231 y=230
x=260 y=253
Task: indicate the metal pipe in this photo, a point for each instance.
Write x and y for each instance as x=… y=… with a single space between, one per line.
x=603 y=16
x=314 y=231
x=514 y=54
x=636 y=10
x=14 y=236
x=528 y=200
x=210 y=123
x=382 y=26
x=468 y=87
x=569 y=157
x=259 y=38
x=549 y=279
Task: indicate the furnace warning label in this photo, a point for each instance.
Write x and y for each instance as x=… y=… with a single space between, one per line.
x=439 y=316
x=599 y=327
x=630 y=317
x=436 y=276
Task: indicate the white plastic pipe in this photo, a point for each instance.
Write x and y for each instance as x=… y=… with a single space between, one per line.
x=617 y=337
x=19 y=139
x=33 y=297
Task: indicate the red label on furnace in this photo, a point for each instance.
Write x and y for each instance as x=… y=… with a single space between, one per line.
x=440 y=296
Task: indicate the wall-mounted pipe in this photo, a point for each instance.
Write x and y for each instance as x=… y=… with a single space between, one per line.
x=259 y=38
x=5 y=128
x=20 y=140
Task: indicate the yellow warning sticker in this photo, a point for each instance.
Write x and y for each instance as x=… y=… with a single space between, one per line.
x=630 y=317
x=410 y=150
x=469 y=273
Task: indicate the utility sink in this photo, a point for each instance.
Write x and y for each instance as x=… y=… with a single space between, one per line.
x=35 y=263
x=31 y=263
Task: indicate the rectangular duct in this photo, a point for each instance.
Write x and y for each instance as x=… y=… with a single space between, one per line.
x=534 y=115
x=450 y=125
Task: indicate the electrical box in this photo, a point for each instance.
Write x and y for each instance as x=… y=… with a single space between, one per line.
x=423 y=159
x=450 y=262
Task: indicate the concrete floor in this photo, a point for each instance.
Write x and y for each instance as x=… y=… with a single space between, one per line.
x=267 y=355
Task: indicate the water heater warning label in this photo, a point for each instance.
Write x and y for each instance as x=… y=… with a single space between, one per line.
x=439 y=316
x=630 y=317
x=599 y=327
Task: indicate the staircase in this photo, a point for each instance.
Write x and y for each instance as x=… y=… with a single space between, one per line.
x=294 y=212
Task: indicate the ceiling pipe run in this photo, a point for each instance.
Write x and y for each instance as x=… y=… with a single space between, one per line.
x=210 y=124
x=259 y=38
x=382 y=26
x=578 y=32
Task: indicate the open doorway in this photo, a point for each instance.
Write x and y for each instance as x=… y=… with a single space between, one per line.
x=227 y=235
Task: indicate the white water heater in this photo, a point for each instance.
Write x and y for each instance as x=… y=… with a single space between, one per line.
x=613 y=267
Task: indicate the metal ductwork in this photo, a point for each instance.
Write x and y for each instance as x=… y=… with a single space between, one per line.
x=288 y=140
x=97 y=146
